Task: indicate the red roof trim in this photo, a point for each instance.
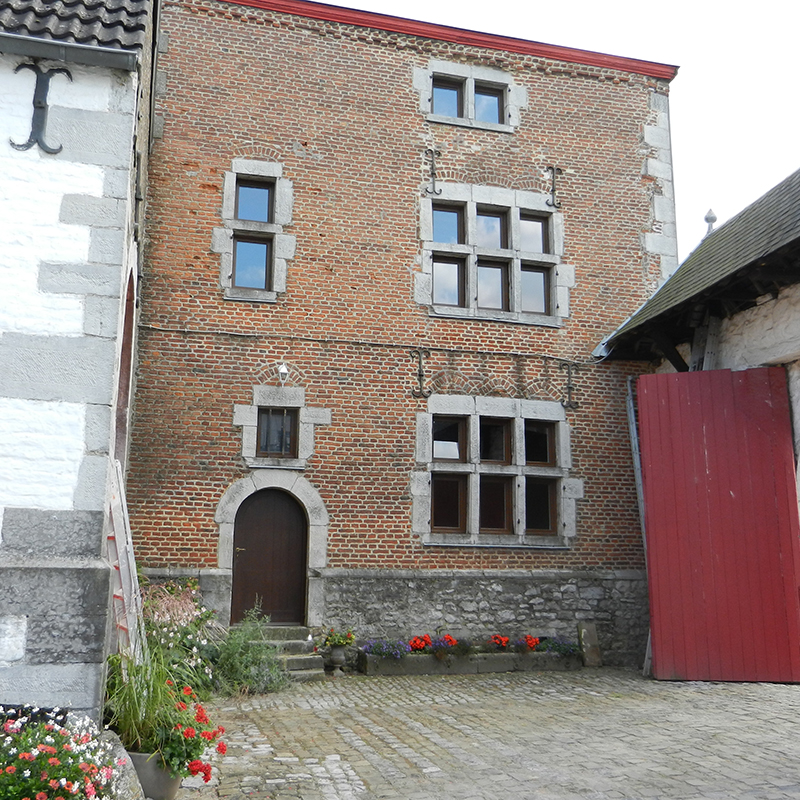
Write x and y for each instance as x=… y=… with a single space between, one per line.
x=428 y=30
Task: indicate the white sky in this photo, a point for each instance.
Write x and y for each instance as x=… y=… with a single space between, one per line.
x=735 y=105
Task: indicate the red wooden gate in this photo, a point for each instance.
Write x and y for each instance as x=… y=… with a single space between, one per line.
x=721 y=516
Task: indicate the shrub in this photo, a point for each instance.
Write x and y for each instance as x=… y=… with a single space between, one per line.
x=247 y=663
x=558 y=645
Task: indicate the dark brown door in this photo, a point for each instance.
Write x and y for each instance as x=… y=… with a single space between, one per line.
x=269 y=557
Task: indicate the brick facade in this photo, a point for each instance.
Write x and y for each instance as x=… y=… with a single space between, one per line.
x=335 y=106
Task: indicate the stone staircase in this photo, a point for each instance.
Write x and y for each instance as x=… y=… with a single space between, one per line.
x=296 y=651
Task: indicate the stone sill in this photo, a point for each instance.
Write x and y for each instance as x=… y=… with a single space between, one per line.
x=478 y=663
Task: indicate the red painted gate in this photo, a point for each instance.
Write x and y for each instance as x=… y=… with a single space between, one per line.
x=721 y=516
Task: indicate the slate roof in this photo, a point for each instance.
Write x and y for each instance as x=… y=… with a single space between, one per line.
x=755 y=252
x=118 y=24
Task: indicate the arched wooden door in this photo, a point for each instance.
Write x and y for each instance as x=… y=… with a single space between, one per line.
x=270 y=545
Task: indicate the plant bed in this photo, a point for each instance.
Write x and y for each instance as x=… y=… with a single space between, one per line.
x=428 y=664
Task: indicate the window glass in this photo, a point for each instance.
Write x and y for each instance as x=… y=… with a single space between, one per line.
x=254 y=202
x=532 y=234
x=495 y=437
x=493 y=286
x=534 y=290
x=495 y=503
x=491 y=230
x=488 y=104
x=448 y=225
x=449 y=438
x=449 y=502
x=447 y=98
x=277 y=433
x=251 y=264
x=539 y=442
x=448 y=282
x=539 y=507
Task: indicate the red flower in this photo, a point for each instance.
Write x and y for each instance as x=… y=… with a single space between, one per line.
x=207 y=735
x=201 y=716
x=11 y=769
x=222 y=747
x=220 y=730
x=41 y=796
x=27 y=756
x=189 y=733
x=181 y=706
x=53 y=762
x=187 y=690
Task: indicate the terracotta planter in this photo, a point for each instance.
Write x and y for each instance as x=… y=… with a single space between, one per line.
x=157 y=783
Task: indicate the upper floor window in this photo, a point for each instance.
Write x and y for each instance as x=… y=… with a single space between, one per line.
x=254 y=249
x=493 y=253
x=469 y=95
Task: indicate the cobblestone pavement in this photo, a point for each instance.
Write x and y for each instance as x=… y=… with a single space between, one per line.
x=594 y=734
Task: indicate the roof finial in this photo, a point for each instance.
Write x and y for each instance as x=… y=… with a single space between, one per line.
x=710 y=218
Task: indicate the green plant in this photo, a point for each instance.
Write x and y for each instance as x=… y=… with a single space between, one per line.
x=335 y=638
x=558 y=645
x=153 y=714
x=386 y=648
x=43 y=759
x=246 y=661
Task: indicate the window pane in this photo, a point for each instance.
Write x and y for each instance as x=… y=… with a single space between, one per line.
x=493 y=286
x=532 y=234
x=448 y=502
x=539 y=442
x=495 y=437
x=251 y=264
x=491 y=230
x=447 y=225
x=448 y=283
x=539 y=505
x=495 y=504
x=277 y=433
x=449 y=438
x=488 y=104
x=447 y=98
x=534 y=291
x=254 y=202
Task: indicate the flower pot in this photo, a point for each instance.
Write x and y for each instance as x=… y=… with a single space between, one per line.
x=338 y=660
x=157 y=783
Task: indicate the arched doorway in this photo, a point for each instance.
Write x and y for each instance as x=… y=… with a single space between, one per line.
x=270 y=556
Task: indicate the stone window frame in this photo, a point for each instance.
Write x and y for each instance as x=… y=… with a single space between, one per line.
x=515 y=96
x=289 y=397
x=283 y=244
x=514 y=202
x=568 y=489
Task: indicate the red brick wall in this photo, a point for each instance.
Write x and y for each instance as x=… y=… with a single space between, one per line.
x=335 y=105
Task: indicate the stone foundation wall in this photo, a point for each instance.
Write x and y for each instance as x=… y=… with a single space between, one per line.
x=478 y=603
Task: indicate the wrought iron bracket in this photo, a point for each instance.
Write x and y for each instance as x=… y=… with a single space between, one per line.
x=571 y=369
x=553 y=201
x=419 y=355
x=433 y=154
x=39 y=119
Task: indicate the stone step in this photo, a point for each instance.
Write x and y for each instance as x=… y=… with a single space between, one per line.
x=295 y=663
x=307 y=675
x=294 y=646
x=282 y=633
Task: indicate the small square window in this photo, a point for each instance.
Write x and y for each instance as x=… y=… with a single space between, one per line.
x=489 y=103
x=540 y=445
x=448 y=97
x=277 y=433
x=449 y=438
x=533 y=234
x=492 y=229
x=535 y=290
x=495 y=437
x=254 y=201
x=448 y=281
x=252 y=268
x=495 y=504
x=540 y=506
x=449 y=503
x=493 y=286
x=448 y=224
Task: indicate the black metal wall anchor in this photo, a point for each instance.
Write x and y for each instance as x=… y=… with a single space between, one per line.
x=419 y=355
x=572 y=368
x=39 y=120
x=433 y=155
x=553 y=201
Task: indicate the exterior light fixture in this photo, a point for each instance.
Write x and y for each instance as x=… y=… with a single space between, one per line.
x=283 y=373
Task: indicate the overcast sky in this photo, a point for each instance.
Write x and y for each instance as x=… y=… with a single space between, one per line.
x=735 y=105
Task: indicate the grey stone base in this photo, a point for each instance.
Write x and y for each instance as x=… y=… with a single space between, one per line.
x=475 y=604
x=426 y=664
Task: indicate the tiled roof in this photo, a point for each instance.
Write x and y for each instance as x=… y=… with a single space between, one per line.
x=118 y=24
x=741 y=244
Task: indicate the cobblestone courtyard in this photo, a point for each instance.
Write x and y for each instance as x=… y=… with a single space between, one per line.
x=590 y=734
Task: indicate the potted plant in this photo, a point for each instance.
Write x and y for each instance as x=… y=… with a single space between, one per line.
x=337 y=641
x=161 y=724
